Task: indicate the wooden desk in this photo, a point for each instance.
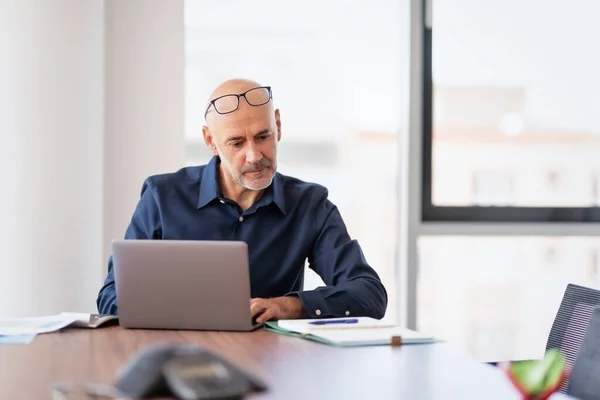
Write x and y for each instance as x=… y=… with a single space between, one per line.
x=293 y=368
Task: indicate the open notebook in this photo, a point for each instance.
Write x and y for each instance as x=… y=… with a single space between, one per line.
x=85 y=320
x=361 y=331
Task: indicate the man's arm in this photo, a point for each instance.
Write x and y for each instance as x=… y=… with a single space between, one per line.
x=145 y=224
x=353 y=287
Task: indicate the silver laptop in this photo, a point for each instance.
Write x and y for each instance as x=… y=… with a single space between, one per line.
x=187 y=285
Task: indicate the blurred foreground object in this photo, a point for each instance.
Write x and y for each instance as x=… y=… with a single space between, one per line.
x=538 y=379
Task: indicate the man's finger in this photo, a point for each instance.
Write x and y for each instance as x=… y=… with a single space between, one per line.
x=257 y=307
x=267 y=315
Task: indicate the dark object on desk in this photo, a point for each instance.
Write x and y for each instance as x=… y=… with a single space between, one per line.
x=584 y=383
x=185 y=371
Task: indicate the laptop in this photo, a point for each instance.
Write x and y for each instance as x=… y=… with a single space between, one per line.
x=182 y=285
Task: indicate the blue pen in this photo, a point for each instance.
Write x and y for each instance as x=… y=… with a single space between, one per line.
x=334 y=321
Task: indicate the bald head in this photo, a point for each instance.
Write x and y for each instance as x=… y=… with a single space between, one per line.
x=243 y=128
x=236 y=87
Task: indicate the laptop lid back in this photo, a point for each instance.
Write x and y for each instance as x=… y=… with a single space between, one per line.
x=170 y=284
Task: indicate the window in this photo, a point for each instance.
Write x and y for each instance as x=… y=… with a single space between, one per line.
x=595 y=189
x=496 y=297
x=511 y=86
x=492 y=188
x=339 y=87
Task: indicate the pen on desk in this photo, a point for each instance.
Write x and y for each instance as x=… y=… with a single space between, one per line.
x=335 y=321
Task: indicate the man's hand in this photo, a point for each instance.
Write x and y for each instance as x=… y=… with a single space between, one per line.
x=287 y=307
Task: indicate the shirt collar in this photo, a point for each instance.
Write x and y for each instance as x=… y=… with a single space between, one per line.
x=209 y=185
x=277 y=192
x=209 y=188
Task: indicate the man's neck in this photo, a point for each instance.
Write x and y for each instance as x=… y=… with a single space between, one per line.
x=245 y=198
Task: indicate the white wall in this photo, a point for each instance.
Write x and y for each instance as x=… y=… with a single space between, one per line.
x=51 y=161
x=144 y=102
x=70 y=179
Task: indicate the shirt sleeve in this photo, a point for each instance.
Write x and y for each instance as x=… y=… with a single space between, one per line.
x=145 y=224
x=353 y=288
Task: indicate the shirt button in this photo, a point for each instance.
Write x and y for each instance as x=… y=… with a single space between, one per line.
x=222 y=201
x=241 y=219
x=347 y=312
x=318 y=312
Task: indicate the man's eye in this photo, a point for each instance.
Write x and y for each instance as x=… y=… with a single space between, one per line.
x=237 y=144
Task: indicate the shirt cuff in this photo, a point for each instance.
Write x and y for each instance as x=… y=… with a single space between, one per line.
x=315 y=305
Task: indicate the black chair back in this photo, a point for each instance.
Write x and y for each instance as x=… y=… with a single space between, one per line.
x=571 y=323
x=584 y=383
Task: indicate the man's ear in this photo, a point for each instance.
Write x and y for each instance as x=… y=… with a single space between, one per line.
x=278 y=123
x=209 y=140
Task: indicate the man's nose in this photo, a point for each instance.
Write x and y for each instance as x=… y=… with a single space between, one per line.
x=253 y=155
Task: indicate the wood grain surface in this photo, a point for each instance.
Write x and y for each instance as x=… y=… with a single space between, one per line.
x=292 y=368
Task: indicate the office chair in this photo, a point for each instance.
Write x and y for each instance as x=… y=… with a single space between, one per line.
x=571 y=323
x=583 y=382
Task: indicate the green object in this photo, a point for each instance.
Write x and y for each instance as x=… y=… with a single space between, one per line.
x=351 y=335
x=539 y=377
x=273 y=326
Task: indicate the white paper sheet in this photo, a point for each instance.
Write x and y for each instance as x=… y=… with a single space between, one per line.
x=17 y=339
x=347 y=336
x=365 y=330
x=35 y=325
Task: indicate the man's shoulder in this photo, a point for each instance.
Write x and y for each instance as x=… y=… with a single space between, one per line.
x=298 y=189
x=183 y=177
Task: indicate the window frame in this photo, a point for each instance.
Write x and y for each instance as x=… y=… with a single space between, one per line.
x=473 y=214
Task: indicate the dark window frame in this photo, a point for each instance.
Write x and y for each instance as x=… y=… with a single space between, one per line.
x=478 y=214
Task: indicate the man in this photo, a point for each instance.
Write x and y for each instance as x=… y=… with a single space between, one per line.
x=239 y=195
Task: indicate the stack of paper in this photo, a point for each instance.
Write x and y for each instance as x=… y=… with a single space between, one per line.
x=16 y=339
x=361 y=331
x=35 y=325
x=24 y=330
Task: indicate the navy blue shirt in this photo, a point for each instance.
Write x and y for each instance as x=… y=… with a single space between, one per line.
x=292 y=222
